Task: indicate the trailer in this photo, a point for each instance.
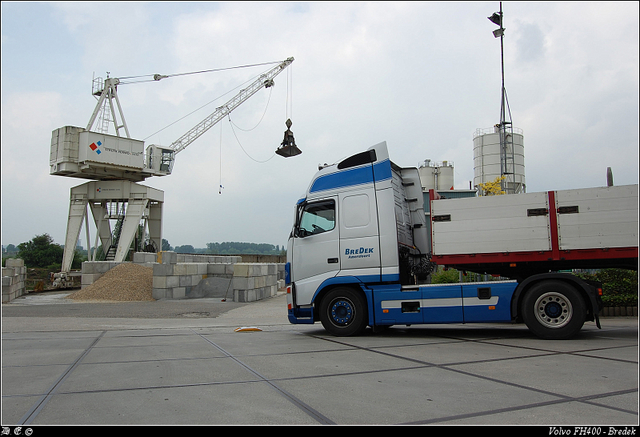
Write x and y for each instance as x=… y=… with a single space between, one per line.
x=362 y=249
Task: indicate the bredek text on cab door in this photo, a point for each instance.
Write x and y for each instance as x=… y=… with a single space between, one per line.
x=362 y=252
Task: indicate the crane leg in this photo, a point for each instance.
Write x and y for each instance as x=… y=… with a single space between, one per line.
x=77 y=211
x=135 y=210
x=155 y=223
x=100 y=218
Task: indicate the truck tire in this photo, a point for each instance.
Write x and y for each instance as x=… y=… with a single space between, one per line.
x=343 y=312
x=553 y=310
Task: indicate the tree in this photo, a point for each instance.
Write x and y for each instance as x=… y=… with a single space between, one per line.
x=165 y=245
x=233 y=248
x=187 y=248
x=493 y=188
x=41 y=251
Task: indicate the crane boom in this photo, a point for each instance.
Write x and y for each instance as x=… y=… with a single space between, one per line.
x=264 y=81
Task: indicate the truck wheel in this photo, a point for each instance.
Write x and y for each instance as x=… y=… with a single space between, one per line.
x=343 y=312
x=553 y=310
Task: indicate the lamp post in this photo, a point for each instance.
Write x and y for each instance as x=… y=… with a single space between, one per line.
x=496 y=18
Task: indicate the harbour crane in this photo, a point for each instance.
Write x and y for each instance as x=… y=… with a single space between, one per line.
x=115 y=164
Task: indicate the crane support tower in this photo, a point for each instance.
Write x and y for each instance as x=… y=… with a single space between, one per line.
x=115 y=164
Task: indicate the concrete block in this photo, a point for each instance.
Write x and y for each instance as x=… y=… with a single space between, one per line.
x=173 y=281
x=255 y=270
x=167 y=257
x=162 y=269
x=243 y=283
x=216 y=269
x=179 y=293
x=101 y=266
x=159 y=293
x=87 y=267
x=184 y=281
x=241 y=269
x=271 y=280
x=144 y=257
x=181 y=269
x=159 y=281
x=244 y=295
x=14 y=262
x=89 y=278
x=259 y=281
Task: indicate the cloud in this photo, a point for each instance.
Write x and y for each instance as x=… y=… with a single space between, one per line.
x=422 y=76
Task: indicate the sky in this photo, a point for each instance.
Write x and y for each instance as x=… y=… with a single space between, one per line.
x=422 y=76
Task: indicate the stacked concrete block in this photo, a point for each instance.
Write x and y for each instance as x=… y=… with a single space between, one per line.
x=176 y=276
x=13 y=279
x=93 y=270
x=146 y=259
x=252 y=282
x=180 y=276
x=211 y=259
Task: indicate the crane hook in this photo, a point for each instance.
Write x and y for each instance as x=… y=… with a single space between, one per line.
x=288 y=146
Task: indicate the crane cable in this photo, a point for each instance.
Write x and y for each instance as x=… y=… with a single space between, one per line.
x=232 y=124
x=245 y=152
x=206 y=104
x=289 y=100
x=157 y=77
x=220 y=162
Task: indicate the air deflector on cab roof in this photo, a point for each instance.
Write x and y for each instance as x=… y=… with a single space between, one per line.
x=361 y=158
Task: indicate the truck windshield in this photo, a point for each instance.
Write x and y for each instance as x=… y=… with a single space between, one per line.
x=317 y=217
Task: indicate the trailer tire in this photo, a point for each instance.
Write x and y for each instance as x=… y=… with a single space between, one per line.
x=343 y=312
x=553 y=310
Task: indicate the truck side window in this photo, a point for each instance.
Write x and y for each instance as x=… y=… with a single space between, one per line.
x=317 y=217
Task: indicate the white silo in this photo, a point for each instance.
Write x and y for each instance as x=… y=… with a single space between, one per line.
x=436 y=175
x=490 y=160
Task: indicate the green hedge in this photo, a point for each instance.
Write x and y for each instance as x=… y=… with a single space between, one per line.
x=619 y=287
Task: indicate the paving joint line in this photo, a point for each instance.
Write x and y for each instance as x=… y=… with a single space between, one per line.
x=297 y=402
x=35 y=409
x=562 y=398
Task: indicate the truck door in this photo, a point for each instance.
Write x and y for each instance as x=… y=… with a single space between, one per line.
x=316 y=247
x=359 y=241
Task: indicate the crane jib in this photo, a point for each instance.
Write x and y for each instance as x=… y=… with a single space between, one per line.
x=264 y=81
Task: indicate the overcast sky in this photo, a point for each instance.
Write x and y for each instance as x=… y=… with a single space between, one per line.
x=420 y=76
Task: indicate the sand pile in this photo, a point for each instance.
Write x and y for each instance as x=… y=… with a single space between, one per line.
x=126 y=282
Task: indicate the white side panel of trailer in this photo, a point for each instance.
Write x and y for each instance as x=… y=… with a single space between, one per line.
x=604 y=217
x=490 y=224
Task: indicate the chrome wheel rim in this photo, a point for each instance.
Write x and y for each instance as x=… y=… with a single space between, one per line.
x=553 y=310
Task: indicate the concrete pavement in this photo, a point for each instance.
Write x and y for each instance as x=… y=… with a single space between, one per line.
x=182 y=362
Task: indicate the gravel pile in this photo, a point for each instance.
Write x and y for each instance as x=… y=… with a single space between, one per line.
x=126 y=282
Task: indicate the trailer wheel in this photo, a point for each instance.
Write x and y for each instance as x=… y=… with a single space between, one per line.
x=343 y=312
x=554 y=310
